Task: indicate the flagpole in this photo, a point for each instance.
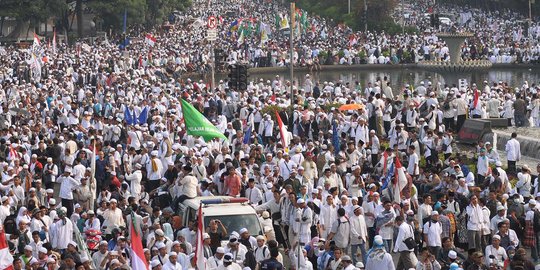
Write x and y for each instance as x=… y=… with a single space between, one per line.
x=291 y=41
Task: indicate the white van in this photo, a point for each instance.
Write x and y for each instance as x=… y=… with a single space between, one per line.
x=234 y=213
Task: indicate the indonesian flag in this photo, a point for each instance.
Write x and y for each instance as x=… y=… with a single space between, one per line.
x=475 y=100
x=401 y=181
x=36 y=40
x=138 y=261
x=282 y=131
x=352 y=40
x=199 y=250
x=54 y=42
x=6 y=259
x=150 y=40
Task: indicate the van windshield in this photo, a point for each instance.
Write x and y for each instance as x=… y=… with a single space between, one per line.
x=237 y=222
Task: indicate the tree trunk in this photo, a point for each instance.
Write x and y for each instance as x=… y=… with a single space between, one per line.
x=2 y=26
x=79 y=11
x=19 y=27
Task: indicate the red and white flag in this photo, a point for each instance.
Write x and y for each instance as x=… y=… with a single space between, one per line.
x=199 y=250
x=6 y=259
x=54 y=42
x=401 y=181
x=138 y=261
x=150 y=40
x=476 y=97
x=36 y=40
x=282 y=131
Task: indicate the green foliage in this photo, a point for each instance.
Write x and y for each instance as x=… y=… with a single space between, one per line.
x=271 y=110
x=112 y=12
x=158 y=10
x=148 y=12
x=377 y=15
x=33 y=11
x=328 y=107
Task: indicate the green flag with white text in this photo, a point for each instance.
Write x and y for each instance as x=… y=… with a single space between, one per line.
x=198 y=125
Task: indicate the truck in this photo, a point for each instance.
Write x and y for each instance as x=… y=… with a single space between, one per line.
x=234 y=213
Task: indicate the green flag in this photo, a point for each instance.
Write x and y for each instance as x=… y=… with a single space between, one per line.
x=198 y=125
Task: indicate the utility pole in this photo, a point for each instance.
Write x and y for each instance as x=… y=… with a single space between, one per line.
x=349 y=7
x=402 y=18
x=530 y=11
x=365 y=16
x=291 y=36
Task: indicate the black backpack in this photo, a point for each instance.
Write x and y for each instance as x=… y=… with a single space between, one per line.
x=250 y=260
x=10 y=224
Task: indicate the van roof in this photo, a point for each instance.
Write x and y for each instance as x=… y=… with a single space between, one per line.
x=222 y=209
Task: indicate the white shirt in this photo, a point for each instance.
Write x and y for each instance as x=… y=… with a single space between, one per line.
x=412 y=167
x=499 y=253
x=405 y=231
x=154 y=175
x=358 y=229
x=68 y=184
x=61 y=233
x=214 y=263
x=513 y=150
x=433 y=231
x=254 y=195
x=189 y=186
x=476 y=218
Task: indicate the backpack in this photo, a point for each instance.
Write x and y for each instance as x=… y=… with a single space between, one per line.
x=10 y=224
x=250 y=260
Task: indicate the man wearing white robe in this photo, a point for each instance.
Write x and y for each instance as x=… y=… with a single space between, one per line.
x=61 y=231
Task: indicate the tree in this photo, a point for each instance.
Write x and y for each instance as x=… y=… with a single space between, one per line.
x=159 y=9
x=148 y=12
x=30 y=12
x=112 y=12
x=378 y=11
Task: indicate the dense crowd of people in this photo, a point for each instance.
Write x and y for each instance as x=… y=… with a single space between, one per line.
x=95 y=142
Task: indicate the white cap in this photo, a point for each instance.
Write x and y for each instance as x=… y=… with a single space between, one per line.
x=160 y=245
x=452 y=255
x=378 y=240
x=299 y=201
x=243 y=230
x=496 y=237
x=220 y=250
x=154 y=263
x=206 y=236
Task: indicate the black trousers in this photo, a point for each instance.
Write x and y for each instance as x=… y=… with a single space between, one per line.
x=152 y=184
x=511 y=167
x=449 y=123
x=68 y=204
x=460 y=121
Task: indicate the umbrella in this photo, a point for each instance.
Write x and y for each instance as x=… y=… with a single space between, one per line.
x=352 y=107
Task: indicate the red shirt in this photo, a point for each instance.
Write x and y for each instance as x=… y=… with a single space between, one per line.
x=233 y=185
